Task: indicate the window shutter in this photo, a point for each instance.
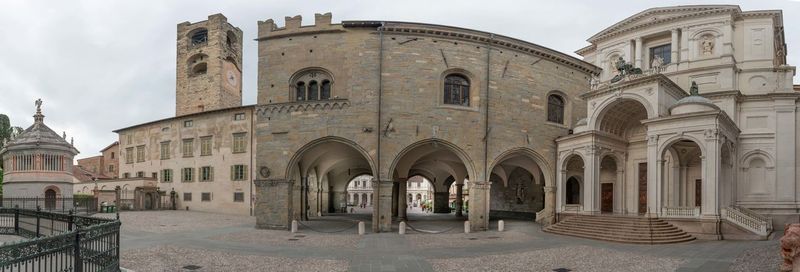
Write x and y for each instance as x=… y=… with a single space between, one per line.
x=245 y=172
x=211 y=173
x=233 y=171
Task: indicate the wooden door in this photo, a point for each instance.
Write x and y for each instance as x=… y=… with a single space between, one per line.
x=698 y=193
x=642 y=188
x=607 y=197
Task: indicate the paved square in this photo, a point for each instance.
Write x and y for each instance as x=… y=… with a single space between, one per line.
x=172 y=240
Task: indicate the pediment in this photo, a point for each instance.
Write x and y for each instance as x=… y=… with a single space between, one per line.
x=662 y=14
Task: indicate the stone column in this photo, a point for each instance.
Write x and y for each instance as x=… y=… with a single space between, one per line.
x=547 y=215
x=273 y=207
x=674 y=46
x=479 y=205
x=459 y=199
x=440 y=201
x=395 y=200
x=619 y=190
x=382 y=211
x=653 y=178
x=638 y=52
x=591 y=180
x=402 y=201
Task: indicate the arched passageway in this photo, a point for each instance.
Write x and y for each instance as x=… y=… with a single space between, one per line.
x=682 y=177
x=324 y=169
x=517 y=190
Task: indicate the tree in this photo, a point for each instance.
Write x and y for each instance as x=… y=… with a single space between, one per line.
x=7 y=131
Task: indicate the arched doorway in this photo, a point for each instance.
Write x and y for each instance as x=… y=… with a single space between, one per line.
x=682 y=176
x=149 y=201
x=325 y=168
x=441 y=164
x=573 y=191
x=518 y=187
x=50 y=199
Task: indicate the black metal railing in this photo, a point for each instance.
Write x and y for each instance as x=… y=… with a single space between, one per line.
x=58 y=242
x=87 y=205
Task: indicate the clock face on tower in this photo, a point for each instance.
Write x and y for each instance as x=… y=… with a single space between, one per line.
x=232 y=78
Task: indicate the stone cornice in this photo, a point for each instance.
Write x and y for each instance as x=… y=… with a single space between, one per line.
x=672 y=88
x=287 y=107
x=625 y=26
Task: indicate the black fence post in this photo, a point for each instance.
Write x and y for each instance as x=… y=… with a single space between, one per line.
x=16 y=221
x=38 y=210
x=70 y=220
x=77 y=251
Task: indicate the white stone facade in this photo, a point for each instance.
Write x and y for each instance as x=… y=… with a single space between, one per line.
x=732 y=146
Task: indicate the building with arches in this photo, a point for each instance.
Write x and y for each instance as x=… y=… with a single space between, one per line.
x=693 y=136
x=673 y=113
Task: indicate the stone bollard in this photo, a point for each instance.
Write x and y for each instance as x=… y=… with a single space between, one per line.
x=402 y=227
x=294 y=226
x=361 y=228
x=466 y=227
x=501 y=226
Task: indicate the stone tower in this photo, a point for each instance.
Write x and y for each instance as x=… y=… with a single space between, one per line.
x=209 y=66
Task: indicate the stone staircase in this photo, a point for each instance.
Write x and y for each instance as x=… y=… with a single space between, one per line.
x=623 y=229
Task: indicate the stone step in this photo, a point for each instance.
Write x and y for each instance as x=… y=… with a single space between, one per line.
x=630 y=231
x=678 y=239
x=637 y=230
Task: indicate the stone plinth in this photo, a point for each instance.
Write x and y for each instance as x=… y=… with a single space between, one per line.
x=273 y=203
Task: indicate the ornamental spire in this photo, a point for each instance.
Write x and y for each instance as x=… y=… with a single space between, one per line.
x=38 y=117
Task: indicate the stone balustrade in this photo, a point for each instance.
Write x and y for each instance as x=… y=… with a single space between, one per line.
x=747 y=219
x=680 y=212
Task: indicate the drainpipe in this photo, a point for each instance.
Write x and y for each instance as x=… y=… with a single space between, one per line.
x=377 y=204
x=252 y=166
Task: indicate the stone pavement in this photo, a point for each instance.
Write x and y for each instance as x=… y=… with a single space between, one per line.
x=172 y=240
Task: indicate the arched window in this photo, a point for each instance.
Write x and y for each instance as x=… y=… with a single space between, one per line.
x=319 y=85
x=300 y=91
x=230 y=39
x=197 y=64
x=199 y=69
x=573 y=191
x=555 y=109
x=456 y=90
x=325 y=93
x=199 y=36
x=313 y=91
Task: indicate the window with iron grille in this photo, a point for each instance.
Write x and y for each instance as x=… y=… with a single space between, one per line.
x=238 y=116
x=187 y=197
x=238 y=197
x=188 y=123
x=456 y=90
x=205 y=197
x=126 y=175
x=555 y=109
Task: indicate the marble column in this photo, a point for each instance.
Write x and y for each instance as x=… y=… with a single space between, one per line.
x=638 y=53
x=591 y=180
x=459 y=199
x=674 y=46
x=402 y=204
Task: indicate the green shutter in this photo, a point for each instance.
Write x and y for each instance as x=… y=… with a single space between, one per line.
x=233 y=170
x=244 y=176
x=210 y=173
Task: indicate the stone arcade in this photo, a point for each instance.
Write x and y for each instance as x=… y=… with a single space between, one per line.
x=675 y=113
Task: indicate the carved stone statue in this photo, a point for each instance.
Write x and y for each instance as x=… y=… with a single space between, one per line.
x=708 y=46
x=694 y=90
x=520 y=192
x=38 y=105
x=790 y=247
x=624 y=69
x=658 y=61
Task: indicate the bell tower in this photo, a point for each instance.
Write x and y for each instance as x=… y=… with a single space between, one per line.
x=209 y=66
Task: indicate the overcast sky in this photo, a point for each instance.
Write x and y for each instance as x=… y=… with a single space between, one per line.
x=103 y=65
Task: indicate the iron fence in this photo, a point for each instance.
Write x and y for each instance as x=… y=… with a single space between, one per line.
x=58 y=242
x=87 y=205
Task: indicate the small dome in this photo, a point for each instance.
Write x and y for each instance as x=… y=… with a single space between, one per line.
x=692 y=103
x=39 y=136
